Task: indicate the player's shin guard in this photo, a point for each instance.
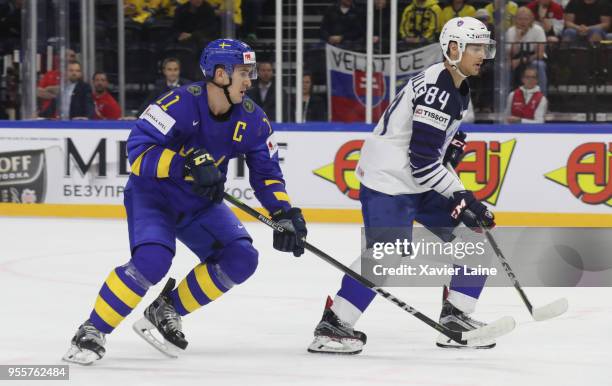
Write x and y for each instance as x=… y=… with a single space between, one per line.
x=465 y=289
x=120 y=294
x=352 y=300
x=205 y=283
x=235 y=263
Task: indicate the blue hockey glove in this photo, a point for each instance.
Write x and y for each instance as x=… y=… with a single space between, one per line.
x=473 y=213
x=293 y=240
x=454 y=152
x=208 y=182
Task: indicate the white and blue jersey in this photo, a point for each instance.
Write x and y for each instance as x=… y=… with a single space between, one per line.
x=404 y=153
x=404 y=180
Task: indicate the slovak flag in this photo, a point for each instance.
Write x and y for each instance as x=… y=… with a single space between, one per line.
x=346 y=79
x=348 y=92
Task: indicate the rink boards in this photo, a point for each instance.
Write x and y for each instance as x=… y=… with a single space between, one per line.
x=529 y=174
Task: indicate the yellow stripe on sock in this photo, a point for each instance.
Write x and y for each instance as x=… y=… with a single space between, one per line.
x=187 y=300
x=107 y=313
x=281 y=196
x=122 y=291
x=163 y=165
x=206 y=283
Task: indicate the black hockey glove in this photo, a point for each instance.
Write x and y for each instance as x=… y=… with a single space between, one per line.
x=208 y=182
x=293 y=240
x=473 y=213
x=454 y=152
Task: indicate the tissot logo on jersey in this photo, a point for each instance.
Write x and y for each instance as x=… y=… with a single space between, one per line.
x=431 y=117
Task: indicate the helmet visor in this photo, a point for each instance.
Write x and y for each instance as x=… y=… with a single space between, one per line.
x=487 y=50
x=246 y=71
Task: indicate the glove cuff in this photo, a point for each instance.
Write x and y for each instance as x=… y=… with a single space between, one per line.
x=282 y=214
x=177 y=167
x=466 y=195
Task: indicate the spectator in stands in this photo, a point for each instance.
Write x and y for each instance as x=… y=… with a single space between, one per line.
x=11 y=95
x=195 y=23
x=527 y=104
x=220 y=8
x=106 y=107
x=382 y=21
x=80 y=103
x=529 y=43
x=171 y=69
x=314 y=107
x=586 y=20
x=146 y=11
x=549 y=15
x=48 y=86
x=421 y=22
x=343 y=25
x=484 y=17
x=263 y=90
x=456 y=8
x=511 y=9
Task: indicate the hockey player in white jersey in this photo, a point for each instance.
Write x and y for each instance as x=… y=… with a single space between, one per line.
x=404 y=178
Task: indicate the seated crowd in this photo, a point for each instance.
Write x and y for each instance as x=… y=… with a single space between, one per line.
x=178 y=29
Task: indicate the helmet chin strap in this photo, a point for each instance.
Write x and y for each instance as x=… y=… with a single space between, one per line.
x=455 y=67
x=455 y=64
x=225 y=90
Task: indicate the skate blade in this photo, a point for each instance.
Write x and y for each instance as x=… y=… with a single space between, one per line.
x=79 y=356
x=144 y=329
x=338 y=346
x=486 y=334
x=445 y=342
x=551 y=310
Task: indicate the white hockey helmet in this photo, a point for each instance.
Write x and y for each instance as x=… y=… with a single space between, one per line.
x=464 y=31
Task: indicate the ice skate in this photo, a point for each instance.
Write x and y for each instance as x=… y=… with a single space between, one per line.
x=87 y=345
x=457 y=320
x=333 y=336
x=161 y=316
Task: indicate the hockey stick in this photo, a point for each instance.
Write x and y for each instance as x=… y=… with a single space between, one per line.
x=475 y=337
x=548 y=311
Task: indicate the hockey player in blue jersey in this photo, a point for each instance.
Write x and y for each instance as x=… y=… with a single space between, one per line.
x=179 y=150
x=403 y=178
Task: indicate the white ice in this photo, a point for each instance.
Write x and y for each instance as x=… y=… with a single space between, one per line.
x=52 y=269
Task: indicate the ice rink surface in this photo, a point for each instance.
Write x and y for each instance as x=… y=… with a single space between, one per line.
x=257 y=334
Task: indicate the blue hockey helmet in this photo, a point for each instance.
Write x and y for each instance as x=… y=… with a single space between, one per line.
x=227 y=53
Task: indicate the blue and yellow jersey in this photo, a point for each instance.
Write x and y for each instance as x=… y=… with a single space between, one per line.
x=421 y=20
x=179 y=122
x=511 y=9
x=449 y=12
